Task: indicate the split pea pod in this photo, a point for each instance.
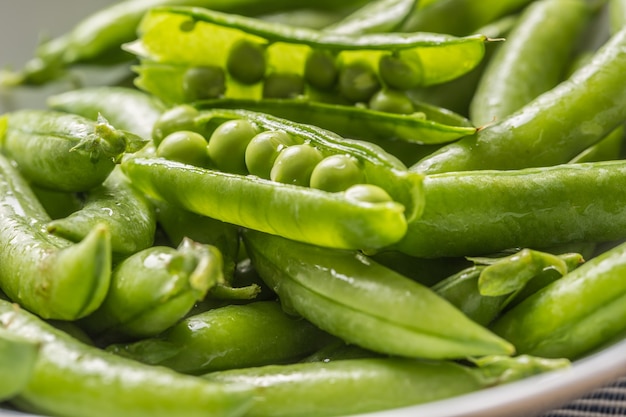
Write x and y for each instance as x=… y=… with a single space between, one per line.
x=533 y=207
x=63 y=151
x=573 y=315
x=44 y=273
x=362 y=302
x=76 y=380
x=551 y=129
x=355 y=386
x=240 y=57
x=229 y=337
x=17 y=361
x=542 y=42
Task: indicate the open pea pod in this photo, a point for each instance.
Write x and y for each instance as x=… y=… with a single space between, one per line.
x=191 y=53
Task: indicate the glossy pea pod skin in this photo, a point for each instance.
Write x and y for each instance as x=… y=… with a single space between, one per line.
x=229 y=337
x=533 y=207
x=175 y=40
x=361 y=302
x=542 y=42
x=364 y=385
x=127 y=213
x=46 y=274
x=73 y=379
x=63 y=151
x=551 y=129
x=574 y=315
x=17 y=361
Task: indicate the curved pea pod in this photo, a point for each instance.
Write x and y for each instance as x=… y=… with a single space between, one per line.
x=533 y=207
x=74 y=379
x=17 y=361
x=44 y=273
x=575 y=314
x=126 y=212
x=233 y=336
x=374 y=17
x=355 y=386
x=551 y=129
x=125 y=108
x=364 y=303
x=174 y=40
x=153 y=289
x=63 y=151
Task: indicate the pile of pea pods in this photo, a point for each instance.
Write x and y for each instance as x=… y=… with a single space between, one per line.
x=312 y=208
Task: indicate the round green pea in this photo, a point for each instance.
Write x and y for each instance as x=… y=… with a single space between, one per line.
x=204 y=82
x=398 y=72
x=172 y=120
x=263 y=150
x=336 y=173
x=285 y=85
x=228 y=143
x=320 y=70
x=368 y=193
x=391 y=101
x=358 y=81
x=246 y=61
x=294 y=164
x=184 y=146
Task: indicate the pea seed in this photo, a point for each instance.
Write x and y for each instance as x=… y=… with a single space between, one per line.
x=320 y=70
x=336 y=173
x=263 y=150
x=246 y=61
x=184 y=146
x=204 y=82
x=391 y=101
x=358 y=81
x=368 y=193
x=295 y=164
x=398 y=72
x=228 y=143
x=283 y=86
x=172 y=120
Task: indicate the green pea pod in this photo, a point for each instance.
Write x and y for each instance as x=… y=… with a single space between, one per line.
x=554 y=127
x=533 y=207
x=126 y=212
x=362 y=302
x=175 y=40
x=17 y=361
x=609 y=148
x=153 y=289
x=57 y=204
x=44 y=273
x=617 y=15
x=352 y=121
x=374 y=17
x=74 y=379
x=573 y=315
x=542 y=41
x=233 y=336
x=125 y=108
x=63 y=151
x=355 y=386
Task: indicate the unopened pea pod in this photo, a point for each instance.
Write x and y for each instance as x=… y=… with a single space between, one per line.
x=609 y=148
x=299 y=213
x=355 y=386
x=125 y=108
x=229 y=337
x=542 y=41
x=153 y=289
x=17 y=361
x=126 y=212
x=533 y=207
x=362 y=302
x=76 y=380
x=64 y=151
x=352 y=121
x=551 y=129
x=573 y=315
x=44 y=273
x=377 y=16
x=197 y=37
